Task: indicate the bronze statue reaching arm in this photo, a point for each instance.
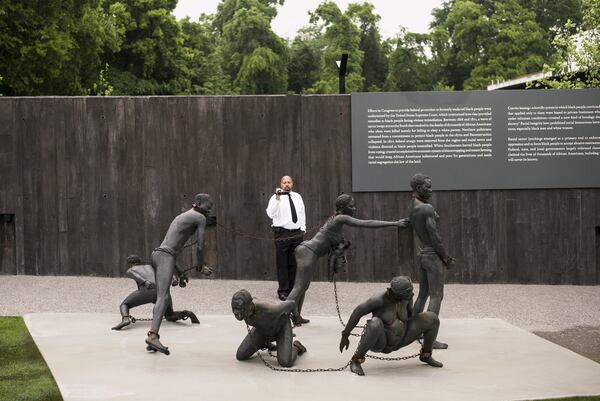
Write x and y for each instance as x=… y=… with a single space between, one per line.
x=354 y=222
x=361 y=310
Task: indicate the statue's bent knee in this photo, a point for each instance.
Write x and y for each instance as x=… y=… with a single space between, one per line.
x=431 y=317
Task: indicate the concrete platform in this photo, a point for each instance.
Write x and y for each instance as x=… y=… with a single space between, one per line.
x=488 y=359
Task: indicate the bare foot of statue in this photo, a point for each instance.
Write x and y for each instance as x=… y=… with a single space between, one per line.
x=125 y=322
x=153 y=342
x=301 y=348
x=299 y=321
x=428 y=359
x=183 y=315
x=355 y=366
x=191 y=315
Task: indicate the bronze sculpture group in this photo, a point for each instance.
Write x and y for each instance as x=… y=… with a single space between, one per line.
x=395 y=321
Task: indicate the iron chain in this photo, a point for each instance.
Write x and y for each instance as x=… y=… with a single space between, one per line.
x=381 y=358
x=246 y=235
x=294 y=370
x=337 y=307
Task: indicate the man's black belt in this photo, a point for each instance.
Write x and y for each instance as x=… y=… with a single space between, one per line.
x=279 y=230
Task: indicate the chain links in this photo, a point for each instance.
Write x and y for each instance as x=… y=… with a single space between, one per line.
x=246 y=235
x=149 y=319
x=294 y=370
x=384 y=358
x=381 y=358
x=337 y=307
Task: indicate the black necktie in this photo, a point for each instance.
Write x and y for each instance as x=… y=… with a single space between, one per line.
x=292 y=208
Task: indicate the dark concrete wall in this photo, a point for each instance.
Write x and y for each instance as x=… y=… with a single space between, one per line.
x=91 y=180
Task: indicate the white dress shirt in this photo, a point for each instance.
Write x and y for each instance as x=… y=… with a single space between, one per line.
x=281 y=213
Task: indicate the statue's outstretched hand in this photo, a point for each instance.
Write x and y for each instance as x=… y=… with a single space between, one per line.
x=344 y=342
x=404 y=223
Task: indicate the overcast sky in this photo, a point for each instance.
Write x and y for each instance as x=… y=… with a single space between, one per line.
x=414 y=15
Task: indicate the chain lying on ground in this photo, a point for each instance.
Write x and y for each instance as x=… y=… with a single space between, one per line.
x=320 y=370
x=295 y=370
x=149 y=319
x=399 y=358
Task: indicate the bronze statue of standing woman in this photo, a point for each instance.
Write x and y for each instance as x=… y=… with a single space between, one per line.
x=328 y=239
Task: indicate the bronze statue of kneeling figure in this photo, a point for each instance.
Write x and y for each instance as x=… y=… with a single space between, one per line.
x=392 y=326
x=143 y=275
x=270 y=324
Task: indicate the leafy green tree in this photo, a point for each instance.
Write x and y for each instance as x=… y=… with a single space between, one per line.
x=150 y=61
x=202 y=59
x=54 y=48
x=375 y=63
x=475 y=43
x=226 y=10
x=552 y=15
x=341 y=36
x=305 y=55
x=255 y=58
x=577 y=60
x=410 y=69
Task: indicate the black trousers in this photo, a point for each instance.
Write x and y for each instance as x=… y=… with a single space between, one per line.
x=286 y=242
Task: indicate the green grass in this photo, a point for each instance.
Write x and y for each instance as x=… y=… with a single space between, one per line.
x=588 y=398
x=24 y=375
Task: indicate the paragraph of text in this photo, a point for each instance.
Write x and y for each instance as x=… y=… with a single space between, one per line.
x=410 y=135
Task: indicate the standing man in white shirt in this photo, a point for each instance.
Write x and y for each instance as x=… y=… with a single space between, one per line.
x=286 y=209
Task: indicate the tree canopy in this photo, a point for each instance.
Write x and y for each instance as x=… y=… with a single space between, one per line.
x=137 y=47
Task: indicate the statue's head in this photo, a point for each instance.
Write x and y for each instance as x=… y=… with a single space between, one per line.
x=203 y=203
x=421 y=185
x=344 y=204
x=401 y=288
x=241 y=304
x=134 y=260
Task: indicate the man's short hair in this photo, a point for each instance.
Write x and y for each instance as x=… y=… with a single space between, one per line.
x=200 y=198
x=291 y=178
x=418 y=179
x=134 y=260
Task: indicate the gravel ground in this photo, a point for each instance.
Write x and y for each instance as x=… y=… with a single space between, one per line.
x=566 y=315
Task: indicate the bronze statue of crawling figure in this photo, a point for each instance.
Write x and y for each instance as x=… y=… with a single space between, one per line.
x=271 y=328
